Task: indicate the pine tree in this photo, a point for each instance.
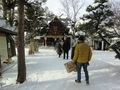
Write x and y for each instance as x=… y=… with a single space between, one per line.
x=98 y=21
x=9 y=10
x=98 y=18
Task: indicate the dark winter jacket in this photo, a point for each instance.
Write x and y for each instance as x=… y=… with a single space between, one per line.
x=66 y=46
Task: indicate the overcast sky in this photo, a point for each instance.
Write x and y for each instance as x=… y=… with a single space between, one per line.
x=55 y=6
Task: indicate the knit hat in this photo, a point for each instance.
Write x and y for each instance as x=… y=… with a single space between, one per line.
x=81 y=38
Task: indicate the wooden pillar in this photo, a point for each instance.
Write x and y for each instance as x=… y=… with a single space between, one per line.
x=102 y=48
x=45 y=38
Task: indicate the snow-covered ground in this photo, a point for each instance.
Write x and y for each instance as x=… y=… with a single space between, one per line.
x=46 y=71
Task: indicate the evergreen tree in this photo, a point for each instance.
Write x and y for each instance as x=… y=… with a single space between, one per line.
x=116 y=10
x=98 y=18
x=98 y=21
x=34 y=18
x=9 y=10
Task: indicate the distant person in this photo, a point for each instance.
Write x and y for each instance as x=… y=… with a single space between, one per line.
x=54 y=44
x=59 y=48
x=73 y=49
x=82 y=56
x=66 y=48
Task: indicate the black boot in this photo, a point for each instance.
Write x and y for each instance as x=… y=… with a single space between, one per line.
x=87 y=82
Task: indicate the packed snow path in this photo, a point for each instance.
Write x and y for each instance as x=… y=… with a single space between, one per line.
x=46 y=71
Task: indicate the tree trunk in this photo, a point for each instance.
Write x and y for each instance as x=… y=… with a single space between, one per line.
x=31 y=47
x=21 y=52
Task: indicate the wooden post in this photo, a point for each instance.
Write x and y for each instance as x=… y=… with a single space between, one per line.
x=45 y=40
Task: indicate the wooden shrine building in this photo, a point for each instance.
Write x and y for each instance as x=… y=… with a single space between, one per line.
x=56 y=29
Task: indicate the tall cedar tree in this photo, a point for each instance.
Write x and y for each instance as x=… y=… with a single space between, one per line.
x=21 y=53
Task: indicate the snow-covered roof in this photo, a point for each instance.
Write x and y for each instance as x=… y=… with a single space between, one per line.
x=6 y=28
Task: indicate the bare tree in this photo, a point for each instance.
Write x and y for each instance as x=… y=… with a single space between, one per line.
x=21 y=52
x=72 y=8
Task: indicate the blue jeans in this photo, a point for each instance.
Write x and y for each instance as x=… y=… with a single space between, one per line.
x=79 y=66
